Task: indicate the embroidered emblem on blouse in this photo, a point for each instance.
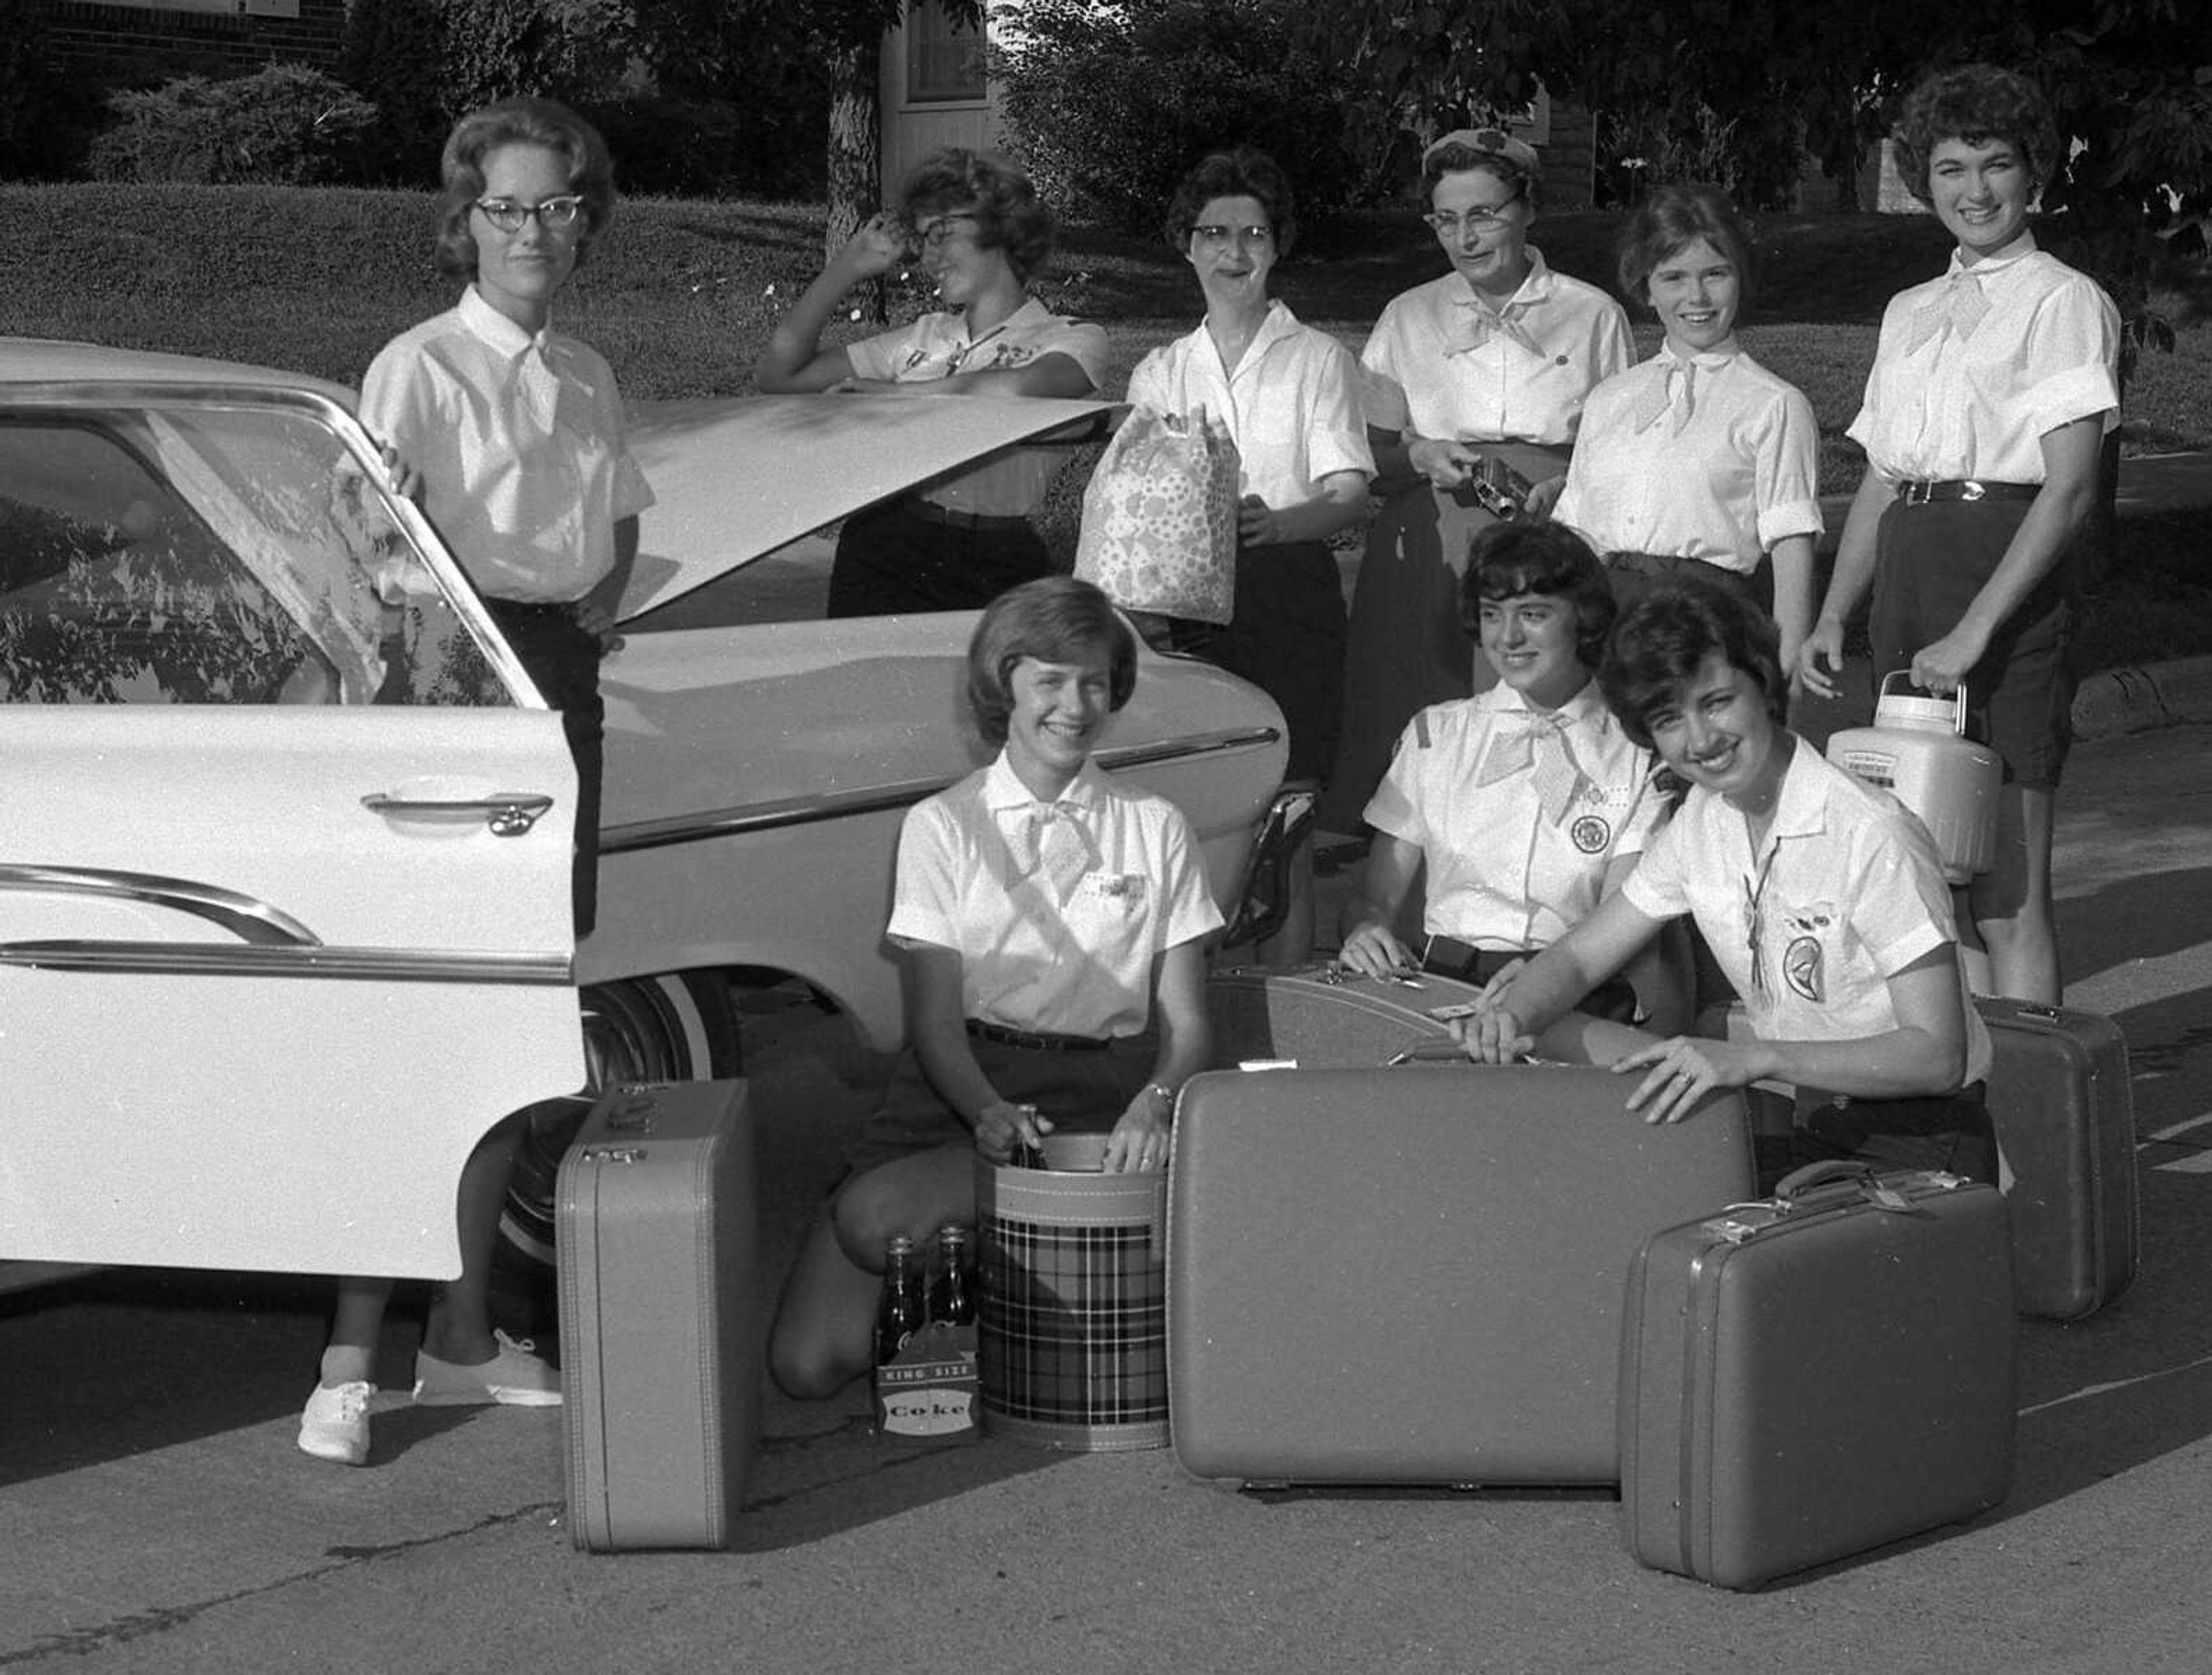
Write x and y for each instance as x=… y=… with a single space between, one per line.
x=1591 y=833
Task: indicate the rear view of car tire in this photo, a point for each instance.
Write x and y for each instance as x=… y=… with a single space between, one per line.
x=676 y=1027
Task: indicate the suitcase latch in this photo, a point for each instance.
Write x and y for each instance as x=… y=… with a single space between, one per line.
x=611 y=1154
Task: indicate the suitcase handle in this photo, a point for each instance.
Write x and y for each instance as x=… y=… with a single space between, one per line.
x=1798 y=1183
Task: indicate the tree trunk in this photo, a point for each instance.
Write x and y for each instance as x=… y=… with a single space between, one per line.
x=855 y=157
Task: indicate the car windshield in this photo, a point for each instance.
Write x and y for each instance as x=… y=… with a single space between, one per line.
x=208 y=551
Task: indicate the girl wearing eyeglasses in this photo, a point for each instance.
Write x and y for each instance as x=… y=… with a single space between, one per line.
x=1992 y=391
x=974 y=221
x=510 y=434
x=1289 y=396
x=1823 y=900
x=1474 y=386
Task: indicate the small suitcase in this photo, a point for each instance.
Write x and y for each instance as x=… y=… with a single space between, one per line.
x=655 y=1241
x=1414 y=1275
x=1326 y=1017
x=2065 y=1114
x=1816 y=1374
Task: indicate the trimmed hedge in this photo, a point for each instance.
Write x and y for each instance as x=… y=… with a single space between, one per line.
x=287 y=126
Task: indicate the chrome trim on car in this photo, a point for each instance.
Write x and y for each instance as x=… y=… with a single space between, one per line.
x=243 y=917
x=836 y=805
x=360 y=964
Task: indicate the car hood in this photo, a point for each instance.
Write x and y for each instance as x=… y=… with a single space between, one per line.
x=736 y=478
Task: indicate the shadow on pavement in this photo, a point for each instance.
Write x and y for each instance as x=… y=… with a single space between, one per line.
x=2143 y=916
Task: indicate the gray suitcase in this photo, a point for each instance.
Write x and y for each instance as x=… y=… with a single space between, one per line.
x=1326 y=1017
x=1414 y=1275
x=655 y=1241
x=1816 y=1374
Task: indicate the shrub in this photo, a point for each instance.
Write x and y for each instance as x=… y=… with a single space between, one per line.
x=1107 y=108
x=426 y=62
x=285 y=126
x=711 y=148
x=46 y=118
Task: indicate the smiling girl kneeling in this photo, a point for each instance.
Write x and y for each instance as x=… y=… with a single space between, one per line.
x=1519 y=809
x=1821 y=897
x=1050 y=921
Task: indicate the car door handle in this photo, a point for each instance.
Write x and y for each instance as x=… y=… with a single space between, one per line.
x=506 y=814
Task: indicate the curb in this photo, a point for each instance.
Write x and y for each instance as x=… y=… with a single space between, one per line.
x=2136 y=699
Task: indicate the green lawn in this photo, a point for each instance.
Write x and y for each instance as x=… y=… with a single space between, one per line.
x=682 y=291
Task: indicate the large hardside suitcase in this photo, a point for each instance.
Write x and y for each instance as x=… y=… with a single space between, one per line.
x=1816 y=1374
x=2063 y=1110
x=1414 y=1275
x=1328 y=1017
x=2065 y=1114
x=655 y=1238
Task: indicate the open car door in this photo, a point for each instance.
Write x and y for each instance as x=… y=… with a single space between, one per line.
x=284 y=843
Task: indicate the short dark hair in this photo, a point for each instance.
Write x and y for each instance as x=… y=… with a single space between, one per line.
x=1663 y=639
x=1243 y=172
x=1505 y=560
x=1009 y=215
x=545 y=122
x=1458 y=158
x=1670 y=221
x=1976 y=103
x=1054 y=619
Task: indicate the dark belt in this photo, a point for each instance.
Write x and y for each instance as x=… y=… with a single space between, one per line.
x=1965 y=488
x=930 y=512
x=526 y=608
x=1447 y=956
x=1037 y=1041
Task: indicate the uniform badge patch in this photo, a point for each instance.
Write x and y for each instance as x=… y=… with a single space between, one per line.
x=1800 y=968
x=1591 y=833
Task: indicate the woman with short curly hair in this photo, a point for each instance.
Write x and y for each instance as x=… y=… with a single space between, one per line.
x=1992 y=390
x=974 y=221
x=1289 y=395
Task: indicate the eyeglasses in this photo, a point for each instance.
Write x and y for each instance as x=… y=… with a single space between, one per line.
x=554 y=215
x=1215 y=236
x=1480 y=219
x=939 y=232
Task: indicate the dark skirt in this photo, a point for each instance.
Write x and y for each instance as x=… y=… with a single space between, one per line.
x=910 y=556
x=564 y=660
x=1931 y=561
x=1405 y=648
x=1287 y=639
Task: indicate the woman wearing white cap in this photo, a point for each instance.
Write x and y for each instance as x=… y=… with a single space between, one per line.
x=1474 y=385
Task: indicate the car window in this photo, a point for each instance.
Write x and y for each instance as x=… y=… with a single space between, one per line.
x=213 y=553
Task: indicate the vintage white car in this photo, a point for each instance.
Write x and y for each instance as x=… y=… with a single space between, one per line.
x=284 y=900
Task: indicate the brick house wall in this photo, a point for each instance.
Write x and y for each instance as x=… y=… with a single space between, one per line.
x=135 y=44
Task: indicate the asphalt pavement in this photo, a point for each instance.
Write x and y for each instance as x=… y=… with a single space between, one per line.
x=155 y=1516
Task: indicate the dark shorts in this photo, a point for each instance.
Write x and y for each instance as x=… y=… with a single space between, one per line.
x=1080 y=1093
x=1950 y=1132
x=1931 y=561
x=564 y=660
x=910 y=555
x=1632 y=575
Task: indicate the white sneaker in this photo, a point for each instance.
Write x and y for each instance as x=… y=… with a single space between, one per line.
x=515 y=1376
x=334 y=1424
